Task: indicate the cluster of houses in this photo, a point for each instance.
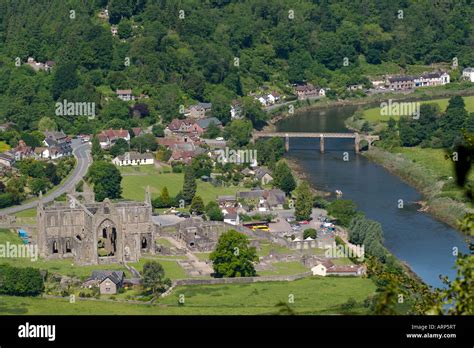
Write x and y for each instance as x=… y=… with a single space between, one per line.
x=243 y=202
x=308 y=91
x=55 y=146
x=108 y=138
x=267 y=99
x=398 y=83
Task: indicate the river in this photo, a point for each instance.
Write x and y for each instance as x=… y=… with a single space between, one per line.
x=423 y=242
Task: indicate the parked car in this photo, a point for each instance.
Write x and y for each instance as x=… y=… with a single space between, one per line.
x=304 y=222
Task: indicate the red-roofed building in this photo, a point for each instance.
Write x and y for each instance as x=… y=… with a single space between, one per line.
x=108 y=137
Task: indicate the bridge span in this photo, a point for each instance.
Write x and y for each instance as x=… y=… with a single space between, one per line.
x=321 y=135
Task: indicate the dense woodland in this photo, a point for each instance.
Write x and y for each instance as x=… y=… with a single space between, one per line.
x=180 y=52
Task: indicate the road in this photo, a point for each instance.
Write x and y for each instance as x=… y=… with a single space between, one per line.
x=82 y=153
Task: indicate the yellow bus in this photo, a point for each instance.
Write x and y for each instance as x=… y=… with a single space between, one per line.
x=261 y=228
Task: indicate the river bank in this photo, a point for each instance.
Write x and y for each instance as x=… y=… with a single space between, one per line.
x=301 y=106
x=444 y=209
x=300 y=175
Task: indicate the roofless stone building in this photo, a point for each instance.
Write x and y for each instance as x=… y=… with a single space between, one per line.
x=95 y=232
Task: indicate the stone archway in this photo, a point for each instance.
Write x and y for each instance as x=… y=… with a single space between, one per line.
x=107 y=239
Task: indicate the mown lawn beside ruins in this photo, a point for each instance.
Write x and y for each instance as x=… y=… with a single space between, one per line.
x=314 y=295
x=135 y=181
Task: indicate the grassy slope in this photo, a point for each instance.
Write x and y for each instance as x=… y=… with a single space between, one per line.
x=313 y=295
x=373 y=114
x=4 y=146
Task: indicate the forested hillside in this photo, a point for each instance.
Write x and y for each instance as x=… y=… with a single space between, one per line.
x=179 y=52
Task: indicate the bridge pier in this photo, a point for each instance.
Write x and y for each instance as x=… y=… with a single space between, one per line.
x=356 y=143
x=321 y=143
x=287 y=142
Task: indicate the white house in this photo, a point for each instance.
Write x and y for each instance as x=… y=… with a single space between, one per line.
x=326 y=267
x=235 y=110
x=125 y=94
x=133 y=158
x=230 y=216
x=468 y=74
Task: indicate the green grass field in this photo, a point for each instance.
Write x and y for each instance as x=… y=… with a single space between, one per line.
x=135 y=183
x=285 y=268
x=314 y=295
x=373 y=114
x=172 y=269
x=432 y=159
x=4 y=146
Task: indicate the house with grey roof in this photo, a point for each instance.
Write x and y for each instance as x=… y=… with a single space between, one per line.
x=206 y=122
x=109 y=282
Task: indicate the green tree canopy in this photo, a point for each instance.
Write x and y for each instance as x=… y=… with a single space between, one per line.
x=233 y=256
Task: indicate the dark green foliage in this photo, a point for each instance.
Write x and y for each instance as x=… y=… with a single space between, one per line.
x=343 y=210
x=202 y=165
x=153 y=277
x=106 y=179
x=179 y=61
x=197 y=206
x=213 y=212
x=283 y=177
x=233 y=256
x=269 y=151
x=15 y=281
x=304 y=202
x=310 y=232
x=119 y=148
x=369 y=234
x=189 y=185
x=144 y=143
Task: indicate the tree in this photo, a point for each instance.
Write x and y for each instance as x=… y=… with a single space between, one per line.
x=165 y=197
x=238 y=132
x=158 y=130
x=153 y=277
x=119 y=148
x=343 y=210
x=202 y=165
x=119 y=9
x=310 y=232
x=233 y=256
x=197 y=206
x=125 y=29
x=213 y=131
x=214 y=212
x=106 y=179
x=96 y=151
x=38 y=185
x=304 y=202
x=47 y=124
x=65 y=78
x=20 y=281
x=283 y=177
x=189 y=185
x=143 y=143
